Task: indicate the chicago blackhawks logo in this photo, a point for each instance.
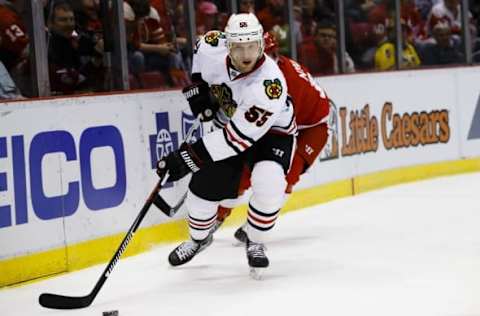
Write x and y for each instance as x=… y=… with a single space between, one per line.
x=212 y=37
x=224 y=96
x=273 y=88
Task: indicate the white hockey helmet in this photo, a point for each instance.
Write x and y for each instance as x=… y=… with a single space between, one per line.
x=244 y=27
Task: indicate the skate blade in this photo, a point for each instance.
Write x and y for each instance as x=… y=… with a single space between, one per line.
x=257 y=273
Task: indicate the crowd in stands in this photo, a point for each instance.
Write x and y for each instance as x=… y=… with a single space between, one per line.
x=431 y=33
x=159 y=55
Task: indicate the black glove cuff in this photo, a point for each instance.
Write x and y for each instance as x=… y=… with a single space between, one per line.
x=188 y=158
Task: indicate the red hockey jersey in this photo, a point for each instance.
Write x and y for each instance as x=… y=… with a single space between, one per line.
x=310 y=101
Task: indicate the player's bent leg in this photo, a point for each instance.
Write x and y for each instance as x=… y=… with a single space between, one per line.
x=201 y=218
x=202 y=215
x=268 y=195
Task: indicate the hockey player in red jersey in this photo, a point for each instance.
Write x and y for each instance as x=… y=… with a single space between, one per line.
x=311 y=106
x=254 y=126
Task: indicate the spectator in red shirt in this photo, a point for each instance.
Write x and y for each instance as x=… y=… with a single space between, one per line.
x=412 y=17
x=14 y=45
x=320 y=54
x=272 y=14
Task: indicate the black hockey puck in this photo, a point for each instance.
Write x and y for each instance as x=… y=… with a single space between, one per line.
x=110 y=313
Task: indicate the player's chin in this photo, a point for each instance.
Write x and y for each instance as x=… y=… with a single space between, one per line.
x=247 y=66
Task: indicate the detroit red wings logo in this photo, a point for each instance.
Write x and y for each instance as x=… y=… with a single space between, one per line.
x=273 y=88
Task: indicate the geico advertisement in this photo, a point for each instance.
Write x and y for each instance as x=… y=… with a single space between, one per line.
x=84 y=175
x=27 y=157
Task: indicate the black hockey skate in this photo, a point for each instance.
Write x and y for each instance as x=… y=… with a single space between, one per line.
x=257 y=260
x=187 y=250
x=241 y=235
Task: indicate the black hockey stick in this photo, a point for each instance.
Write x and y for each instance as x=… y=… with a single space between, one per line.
x=72 y=302
x=56 y=301
x=159 y=202
x=168 y=210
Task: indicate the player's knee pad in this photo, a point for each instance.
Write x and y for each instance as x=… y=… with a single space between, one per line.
x=202 y=215
x=268 y=187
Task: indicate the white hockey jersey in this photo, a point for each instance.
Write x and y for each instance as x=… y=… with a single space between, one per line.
x=251 y=104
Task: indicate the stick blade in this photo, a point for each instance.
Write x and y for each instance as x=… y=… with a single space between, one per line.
x=168 y=210
x=64 y=302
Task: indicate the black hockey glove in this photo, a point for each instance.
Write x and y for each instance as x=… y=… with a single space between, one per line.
x=188 y=158
x=200 y=101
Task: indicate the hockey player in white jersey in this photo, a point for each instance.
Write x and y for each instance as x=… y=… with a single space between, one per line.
x=255 y=126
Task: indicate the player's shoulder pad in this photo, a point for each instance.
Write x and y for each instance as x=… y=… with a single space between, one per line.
x=213 y=37
x=210 y=39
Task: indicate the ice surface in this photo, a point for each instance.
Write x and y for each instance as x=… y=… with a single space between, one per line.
x=406 y=250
